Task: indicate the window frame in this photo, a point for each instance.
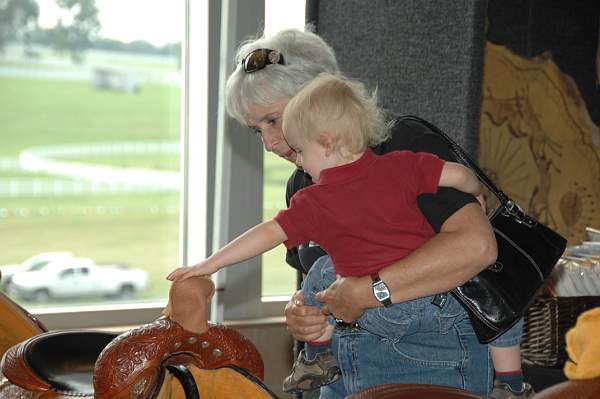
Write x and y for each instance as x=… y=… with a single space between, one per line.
x=239 y=169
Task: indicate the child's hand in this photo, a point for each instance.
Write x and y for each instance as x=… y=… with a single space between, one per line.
x=181 y=273
x=481 y=202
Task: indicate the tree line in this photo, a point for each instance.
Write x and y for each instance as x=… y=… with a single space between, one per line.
x=19 y=23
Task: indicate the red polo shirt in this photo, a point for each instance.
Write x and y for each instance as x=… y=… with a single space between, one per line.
x=364 y=214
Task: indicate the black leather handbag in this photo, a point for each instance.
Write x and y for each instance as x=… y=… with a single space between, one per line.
x=499 y=296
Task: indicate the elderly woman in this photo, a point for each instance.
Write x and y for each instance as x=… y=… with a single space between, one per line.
x=444 y=350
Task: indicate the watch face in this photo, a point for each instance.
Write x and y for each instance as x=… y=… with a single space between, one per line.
x=381 y=291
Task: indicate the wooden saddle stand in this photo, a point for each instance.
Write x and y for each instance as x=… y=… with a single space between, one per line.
x=178 y=356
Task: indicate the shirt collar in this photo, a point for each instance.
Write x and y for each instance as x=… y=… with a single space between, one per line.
x=349 y=171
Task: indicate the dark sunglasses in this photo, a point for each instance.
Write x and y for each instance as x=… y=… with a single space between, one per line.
x=260 y=58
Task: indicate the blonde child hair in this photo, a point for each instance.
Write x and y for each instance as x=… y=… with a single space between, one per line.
x=339 y=107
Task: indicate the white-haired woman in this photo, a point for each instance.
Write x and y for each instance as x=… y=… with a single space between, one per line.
x=445 y=351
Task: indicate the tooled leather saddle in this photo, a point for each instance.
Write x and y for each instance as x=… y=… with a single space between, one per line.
x=66 y=364
x=96 y=364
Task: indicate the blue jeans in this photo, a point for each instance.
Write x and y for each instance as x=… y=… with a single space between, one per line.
x=510 y=338
x=413 y=342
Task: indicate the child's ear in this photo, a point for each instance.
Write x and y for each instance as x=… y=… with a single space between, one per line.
x=328 y=142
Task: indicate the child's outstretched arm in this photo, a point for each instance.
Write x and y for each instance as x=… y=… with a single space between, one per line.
x=253 y=242
x=459 y=177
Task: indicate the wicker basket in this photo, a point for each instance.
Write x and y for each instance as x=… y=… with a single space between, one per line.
x=546 y=322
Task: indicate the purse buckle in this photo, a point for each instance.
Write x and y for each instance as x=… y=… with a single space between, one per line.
x=513 y=209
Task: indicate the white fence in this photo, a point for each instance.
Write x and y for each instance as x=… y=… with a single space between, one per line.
x=14 y=187
x=79 y=178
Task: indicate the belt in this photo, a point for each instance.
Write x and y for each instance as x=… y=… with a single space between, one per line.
x=341 y=324
x=439 y=300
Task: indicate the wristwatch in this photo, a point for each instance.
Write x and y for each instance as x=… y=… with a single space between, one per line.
x=381 y=290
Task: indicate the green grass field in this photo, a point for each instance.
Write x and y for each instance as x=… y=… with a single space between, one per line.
x=139 y=229
x=278 y=278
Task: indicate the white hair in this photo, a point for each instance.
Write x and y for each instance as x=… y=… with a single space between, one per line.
x=305 y=55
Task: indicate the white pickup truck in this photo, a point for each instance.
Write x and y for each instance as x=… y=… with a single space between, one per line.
x=36 y=262
x=78 y=277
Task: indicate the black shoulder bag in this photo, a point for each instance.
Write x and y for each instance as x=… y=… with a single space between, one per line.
x=499 y=296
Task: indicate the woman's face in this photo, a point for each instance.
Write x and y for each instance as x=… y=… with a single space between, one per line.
x=266 y=122
x=311 y=156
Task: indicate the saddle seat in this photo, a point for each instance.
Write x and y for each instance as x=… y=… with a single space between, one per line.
x=60 y=361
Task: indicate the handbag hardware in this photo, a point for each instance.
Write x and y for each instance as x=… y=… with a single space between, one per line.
x=512 y=209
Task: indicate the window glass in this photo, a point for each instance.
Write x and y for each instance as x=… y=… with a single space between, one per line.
x=89 y=161
x=279 y=279
x=38 y=266
x=66 y=274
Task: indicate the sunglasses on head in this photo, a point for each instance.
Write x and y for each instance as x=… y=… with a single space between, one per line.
x=260 y=58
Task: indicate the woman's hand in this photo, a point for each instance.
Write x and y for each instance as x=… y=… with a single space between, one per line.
x=201 y=269
x=348 y=297
x=304 y=323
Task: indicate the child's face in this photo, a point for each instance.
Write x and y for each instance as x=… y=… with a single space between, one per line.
x=310 y=155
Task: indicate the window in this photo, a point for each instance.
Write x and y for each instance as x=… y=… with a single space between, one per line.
x=66 y=274
x=244 y=176
x=278 y=279
x=80 y=117
x=89 y=166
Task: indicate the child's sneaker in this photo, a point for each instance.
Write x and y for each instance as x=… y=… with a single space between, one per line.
x=312 y=374
x=503 y=391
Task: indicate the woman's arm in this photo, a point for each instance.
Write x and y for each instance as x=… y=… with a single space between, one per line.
x=464 y=246
x=253 y=242
x=460 y=178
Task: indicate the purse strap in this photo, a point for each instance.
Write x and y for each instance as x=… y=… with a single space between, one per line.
x=463 y=158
